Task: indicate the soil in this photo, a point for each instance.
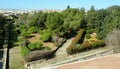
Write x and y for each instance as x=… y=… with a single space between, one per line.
x=36 y=38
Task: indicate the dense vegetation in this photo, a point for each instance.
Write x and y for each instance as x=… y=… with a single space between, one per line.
x=71 y=22
x=54 y=25
x=2 y=29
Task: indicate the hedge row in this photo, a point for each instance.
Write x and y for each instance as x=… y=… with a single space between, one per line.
x=85 y=46
x=78 y=37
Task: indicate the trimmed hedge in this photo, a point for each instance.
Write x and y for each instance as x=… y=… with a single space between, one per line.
x=85 y=46
x=78 y=37
x=37 y=55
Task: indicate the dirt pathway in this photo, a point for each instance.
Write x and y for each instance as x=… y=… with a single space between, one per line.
x=62 y=50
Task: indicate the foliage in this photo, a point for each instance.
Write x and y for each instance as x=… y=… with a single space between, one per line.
x=25 y=33
x=87 y=36
x=33 y=29
x=85 y=46
x=46 y=35
x=24 y=51
x=35 y=46
x=40 y=32
x=78 y=37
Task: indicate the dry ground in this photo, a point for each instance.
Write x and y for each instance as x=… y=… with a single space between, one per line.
x=36 y=38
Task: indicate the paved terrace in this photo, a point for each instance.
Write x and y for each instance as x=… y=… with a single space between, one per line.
x=106 y=62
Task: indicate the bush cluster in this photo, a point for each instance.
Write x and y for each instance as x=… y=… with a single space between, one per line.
x=90 y=31
x=40 y=32
x=24 y=51
x=33 y=29
x=25 y=33
x=85 y=46
x=87 y=36
x=35 y=46
x=46 y=35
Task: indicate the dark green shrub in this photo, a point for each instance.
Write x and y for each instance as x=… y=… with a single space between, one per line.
x=87 y=36
x=24 y=51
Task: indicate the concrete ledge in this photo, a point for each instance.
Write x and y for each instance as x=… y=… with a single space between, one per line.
x=81 y=58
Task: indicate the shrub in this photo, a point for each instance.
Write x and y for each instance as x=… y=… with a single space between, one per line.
x=85 y=46
x=33 y=29
x=35 y=46
x=78 y=37
x=24 y=51
x=87 y=36
x=25 y=33
x=40 y=32
x=90 y=31
x=71 y=49
x=38 y=45
x=31 y=46
x=46 y=35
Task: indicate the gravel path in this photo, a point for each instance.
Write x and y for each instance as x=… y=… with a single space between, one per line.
x=62 y=50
